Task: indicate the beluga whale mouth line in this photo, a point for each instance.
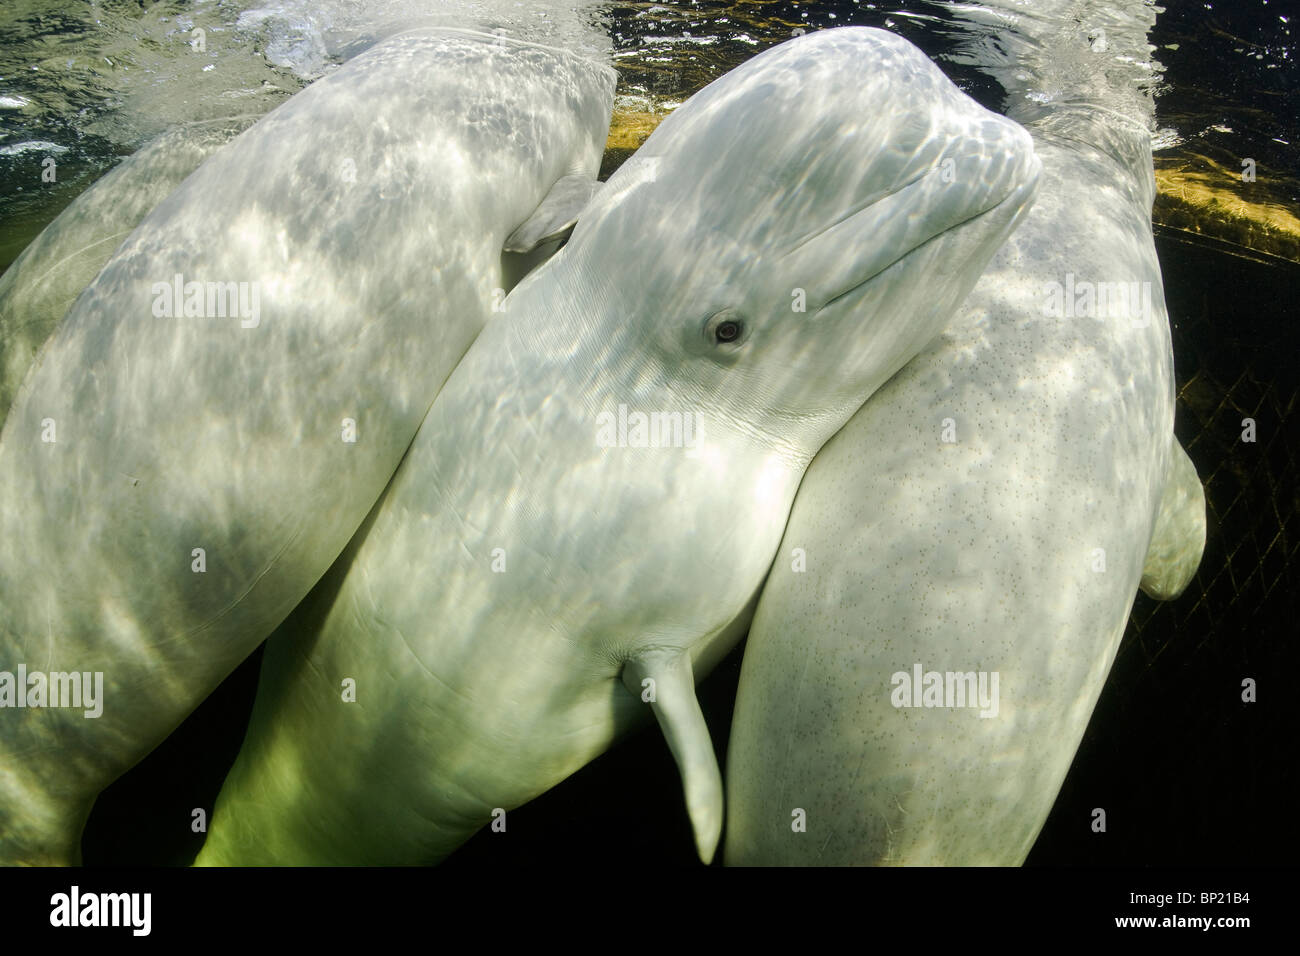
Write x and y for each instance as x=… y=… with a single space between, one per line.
x=861 y=206
x=1016 y=198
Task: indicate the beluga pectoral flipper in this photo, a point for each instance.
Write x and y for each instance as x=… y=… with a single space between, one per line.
x=1178 y=541
x=663 y=679
x=557 y=214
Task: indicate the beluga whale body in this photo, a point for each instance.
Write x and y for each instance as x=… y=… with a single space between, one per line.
x=217 y=412
x=962 y=557
x=548 y=560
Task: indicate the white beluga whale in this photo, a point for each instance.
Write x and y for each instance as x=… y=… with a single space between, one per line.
x=581 y=525
x=217 y=412
x=962 y=557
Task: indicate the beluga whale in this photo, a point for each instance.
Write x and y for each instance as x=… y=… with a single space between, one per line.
x=962 y=557
x=217 y=412
x=582 y=524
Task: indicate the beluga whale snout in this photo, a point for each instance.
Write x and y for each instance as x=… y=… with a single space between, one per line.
x=534 y=581
x=862 y=193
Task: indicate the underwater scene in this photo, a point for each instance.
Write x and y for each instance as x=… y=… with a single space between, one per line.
x=543 y=434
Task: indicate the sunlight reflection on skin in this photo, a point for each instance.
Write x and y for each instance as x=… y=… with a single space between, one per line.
x=176 y=432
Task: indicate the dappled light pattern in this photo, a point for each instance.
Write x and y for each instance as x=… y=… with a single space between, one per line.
x=174 y=480
x=41 y=284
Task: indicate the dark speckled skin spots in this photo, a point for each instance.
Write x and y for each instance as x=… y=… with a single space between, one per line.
x=1014 y=543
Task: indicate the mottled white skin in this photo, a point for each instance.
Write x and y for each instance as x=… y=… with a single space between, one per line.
x=976 y=555
x=183 y=433
x=41 y=284
x=478 y=690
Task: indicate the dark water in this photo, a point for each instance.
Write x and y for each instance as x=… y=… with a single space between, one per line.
x=1186 y=772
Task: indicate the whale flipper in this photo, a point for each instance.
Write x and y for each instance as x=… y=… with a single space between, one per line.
x=679 y=715
x=556 y=215
x=1178 y=540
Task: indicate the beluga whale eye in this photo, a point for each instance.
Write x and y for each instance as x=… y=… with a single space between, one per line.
x=725 y=328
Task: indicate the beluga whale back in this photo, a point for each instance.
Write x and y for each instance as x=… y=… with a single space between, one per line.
x=218 y=411
x=547 y=560
x=918 y=676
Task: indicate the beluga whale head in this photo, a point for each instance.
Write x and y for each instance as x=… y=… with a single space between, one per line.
x=803 y=227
